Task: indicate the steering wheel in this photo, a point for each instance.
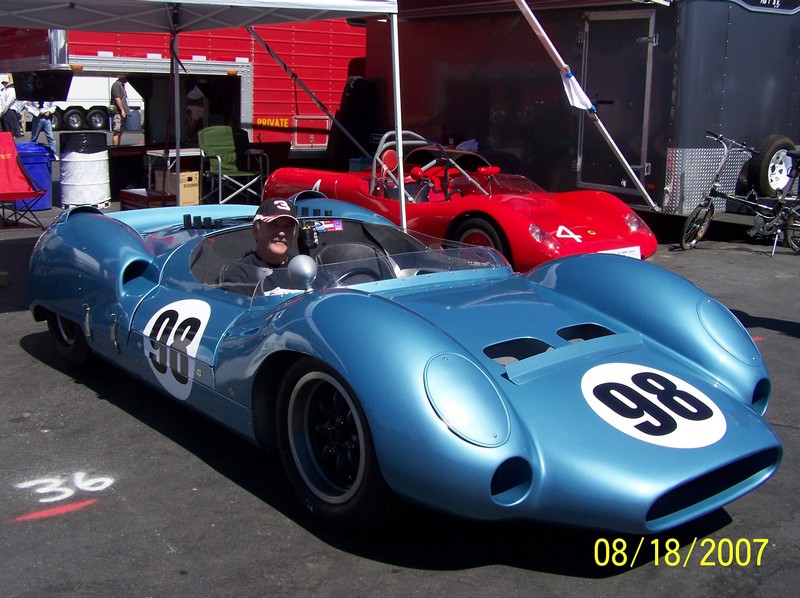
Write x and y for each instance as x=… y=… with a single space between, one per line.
x=358 y=271
x=440 y=168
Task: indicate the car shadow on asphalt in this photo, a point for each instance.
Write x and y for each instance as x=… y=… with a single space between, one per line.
x=786 y=327
x=414 y=537
x=15 y=255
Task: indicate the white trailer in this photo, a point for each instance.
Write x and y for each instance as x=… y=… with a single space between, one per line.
x=86 y=106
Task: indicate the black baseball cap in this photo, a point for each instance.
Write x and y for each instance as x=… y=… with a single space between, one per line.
x=276 y=207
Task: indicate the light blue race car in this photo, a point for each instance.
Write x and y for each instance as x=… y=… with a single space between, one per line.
x=594 y=391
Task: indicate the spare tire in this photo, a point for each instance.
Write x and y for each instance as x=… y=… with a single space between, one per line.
x=770 y=167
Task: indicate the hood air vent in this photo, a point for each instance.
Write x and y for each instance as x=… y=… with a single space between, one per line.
x=519 y=349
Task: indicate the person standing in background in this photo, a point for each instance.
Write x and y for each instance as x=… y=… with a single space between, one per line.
x=119 y=108
x=9 y=108
x=42 y=113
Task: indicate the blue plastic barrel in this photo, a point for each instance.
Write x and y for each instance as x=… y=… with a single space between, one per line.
x=134 y=120
x=37 y=160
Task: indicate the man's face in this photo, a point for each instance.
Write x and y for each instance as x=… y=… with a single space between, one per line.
x=273 y=239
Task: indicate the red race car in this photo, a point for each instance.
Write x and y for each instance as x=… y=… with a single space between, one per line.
x=459 y=195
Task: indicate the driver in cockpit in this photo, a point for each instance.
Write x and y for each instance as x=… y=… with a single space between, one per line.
x=274 y=227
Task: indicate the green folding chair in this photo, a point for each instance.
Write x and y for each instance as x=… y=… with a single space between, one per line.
x=229 y=165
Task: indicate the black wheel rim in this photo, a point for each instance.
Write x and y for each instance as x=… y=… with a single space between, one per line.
x=326 y=437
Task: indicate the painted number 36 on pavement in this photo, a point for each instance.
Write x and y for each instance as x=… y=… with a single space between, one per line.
x=653 y=406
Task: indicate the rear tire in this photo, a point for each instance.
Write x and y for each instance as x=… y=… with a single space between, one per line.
x=97 y=120
x=770 y=167
x=74 y=120
x=791 y=233
x=696 y=225
x=69 y=341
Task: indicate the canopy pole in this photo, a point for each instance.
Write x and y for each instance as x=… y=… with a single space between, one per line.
x=398 y=118
x=578 y=98
x=176 y=110
x=174 y=61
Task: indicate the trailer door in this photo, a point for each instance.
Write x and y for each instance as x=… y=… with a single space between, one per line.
x=616 y=74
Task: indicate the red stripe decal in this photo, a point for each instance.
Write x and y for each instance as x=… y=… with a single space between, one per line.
x=55 y=512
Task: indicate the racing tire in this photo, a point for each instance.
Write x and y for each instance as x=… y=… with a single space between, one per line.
x=97 y=120
x=791 y=234
x=770 y=167
x=696 y=225
x=69 y=341
x=73 y=120
x=478 y=231
x=326 y=448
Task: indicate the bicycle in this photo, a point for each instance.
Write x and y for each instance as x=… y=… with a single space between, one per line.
x=778 y=217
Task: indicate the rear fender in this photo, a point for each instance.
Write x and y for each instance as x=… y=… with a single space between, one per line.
x=92 y=270
x=87 y=258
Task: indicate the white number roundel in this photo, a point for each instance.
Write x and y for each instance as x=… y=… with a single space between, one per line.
x=172 y=337
x=653 y=406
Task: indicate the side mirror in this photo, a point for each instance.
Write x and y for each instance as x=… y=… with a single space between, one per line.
x=302 y=271
x=488 y=170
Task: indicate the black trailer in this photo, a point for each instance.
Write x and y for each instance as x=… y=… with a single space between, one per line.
x=660 y=74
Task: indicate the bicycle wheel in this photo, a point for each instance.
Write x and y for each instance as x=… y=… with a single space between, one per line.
x=696 y=224
x=791 y=234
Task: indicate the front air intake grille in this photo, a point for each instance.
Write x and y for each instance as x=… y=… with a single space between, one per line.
x=735 y=478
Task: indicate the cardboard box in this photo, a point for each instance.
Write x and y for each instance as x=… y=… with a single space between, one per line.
x=136 y=199
x=190 y=186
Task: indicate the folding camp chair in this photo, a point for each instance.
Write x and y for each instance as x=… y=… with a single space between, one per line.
x=229 y=156
x=18 y=190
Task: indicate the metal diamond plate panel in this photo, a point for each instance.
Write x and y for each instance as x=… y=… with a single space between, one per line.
x=690 y=172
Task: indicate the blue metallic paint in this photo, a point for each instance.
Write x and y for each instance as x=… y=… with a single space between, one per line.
x=453 y=428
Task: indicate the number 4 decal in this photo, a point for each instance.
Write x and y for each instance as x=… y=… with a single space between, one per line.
x=564 y=233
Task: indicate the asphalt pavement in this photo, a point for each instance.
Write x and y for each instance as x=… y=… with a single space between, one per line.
x=107 y=488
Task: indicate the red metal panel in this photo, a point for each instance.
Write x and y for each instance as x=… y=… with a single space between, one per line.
x=322 y=53
x=126 y=45
x=23 y=43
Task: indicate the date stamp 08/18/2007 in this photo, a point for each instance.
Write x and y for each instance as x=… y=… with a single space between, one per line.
x=705 y=552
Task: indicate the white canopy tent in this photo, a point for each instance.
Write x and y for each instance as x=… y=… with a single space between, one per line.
x=179 y=15
x=197 y=15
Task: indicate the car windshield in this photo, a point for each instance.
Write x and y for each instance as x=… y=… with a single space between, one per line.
x=357 y=265
x=496 y=184
x=333 y=253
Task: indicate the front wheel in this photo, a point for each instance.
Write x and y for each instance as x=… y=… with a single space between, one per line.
x=326 y=446
x=69 y=341
x=696 y=225
x=792 y=233
x=477 y=231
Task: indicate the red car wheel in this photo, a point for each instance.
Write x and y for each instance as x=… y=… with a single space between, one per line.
x=477 y=231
